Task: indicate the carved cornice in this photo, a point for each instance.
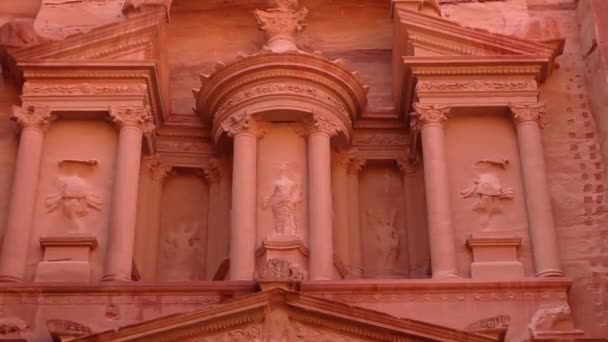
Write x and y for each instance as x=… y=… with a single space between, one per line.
x=428 y=114
x=294 y=82
x=524 y=113
x=133 y=116
x=32 y=116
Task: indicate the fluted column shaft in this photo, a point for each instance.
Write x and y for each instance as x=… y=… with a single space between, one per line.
x=340 y=205
x=528 y=119
x=429 y=120
x=23 y=194
x=133 y=123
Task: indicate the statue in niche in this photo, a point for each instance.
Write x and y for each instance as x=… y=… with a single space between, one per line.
x=75 y=201
x=488 y=190
x=387 y=241
x=284 y=200
x=181 y=247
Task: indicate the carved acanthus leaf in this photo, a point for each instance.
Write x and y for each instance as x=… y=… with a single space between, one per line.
x=523 y=113
x=242 y=122
x=32 y=116
x=427 y=114
x=137 y=116
x=322 y=123
x=158 y=169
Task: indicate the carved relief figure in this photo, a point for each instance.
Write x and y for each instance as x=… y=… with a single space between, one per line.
x=181 y=247
x=386 y=241
x=488 y=190
x=554 y=318
x=279 y=270
x=284 y=199
x=75 y=201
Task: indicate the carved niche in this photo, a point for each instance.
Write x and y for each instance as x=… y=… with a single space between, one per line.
x=488 y=190
x=284 y=201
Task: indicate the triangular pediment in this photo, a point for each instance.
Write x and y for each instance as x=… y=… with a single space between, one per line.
x=282 y=315
x=136 y=37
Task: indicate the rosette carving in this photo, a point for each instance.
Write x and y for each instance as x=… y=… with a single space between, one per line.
x=528 y=113
x=136 y=116
x=32 y=116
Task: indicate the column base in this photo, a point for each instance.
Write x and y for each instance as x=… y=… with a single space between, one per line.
x=116 y=277
x=66 y=258
x=9 y=279
x=550 y=273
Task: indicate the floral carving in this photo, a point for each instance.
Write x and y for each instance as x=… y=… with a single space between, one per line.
x=137 y=116
x=65 y=327
x=523 y=113
x=32 y=116
x=279 y=270
x=75 y=200
x=488 y=190
x=281 y=24
x=284 y=200
x=428 y=114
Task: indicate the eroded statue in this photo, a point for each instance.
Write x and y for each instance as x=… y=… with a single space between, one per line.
x=488 y=190
x=75 y=201
x=386 y=240
x=284 y=200
x=180 y=248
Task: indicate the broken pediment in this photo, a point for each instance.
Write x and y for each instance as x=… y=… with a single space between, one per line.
x=282 y=315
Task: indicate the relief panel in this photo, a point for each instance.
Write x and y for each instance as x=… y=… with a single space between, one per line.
x=75 y=186
x=485 y=183
x=183 y=232
x=383 y=228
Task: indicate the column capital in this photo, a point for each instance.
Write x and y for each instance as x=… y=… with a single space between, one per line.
x=243 y=122
x=32 y=116
x=214 y=170
x=134 y=116
x=322 y=124
x=408 y=166
x=356 y=165
x=528 y=112
x=428 y=114
x=158 y=169
x=342 y=159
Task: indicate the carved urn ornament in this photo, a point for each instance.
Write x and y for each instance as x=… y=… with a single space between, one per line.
x=281 y=24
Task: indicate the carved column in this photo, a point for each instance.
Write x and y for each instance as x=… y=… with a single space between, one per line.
x=528 y=118
x=354 y=169
x=320 y=234
x=134 y=122
x=408 y=169
x=245 y=132
x=158 y=174
x=341 y=199
x=429 y=120
x=33 y=120
x=217 y=232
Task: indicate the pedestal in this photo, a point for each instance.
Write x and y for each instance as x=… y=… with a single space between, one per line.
x=495 y=256
x=290 y=250
x=66 y=258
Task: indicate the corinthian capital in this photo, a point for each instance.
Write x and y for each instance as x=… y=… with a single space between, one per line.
x=213 y=171
x=342 y=159
x=135 y=116
x=408 y=166
x=242 y=122
x=321 y=123
x=427 y=114
x=528 y=113
x=158 y=169
x=32 y=116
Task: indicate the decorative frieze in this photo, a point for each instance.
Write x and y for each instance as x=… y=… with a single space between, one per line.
x=32 y=116
x=383 y=139
x=475 y=85
x=82 y=89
